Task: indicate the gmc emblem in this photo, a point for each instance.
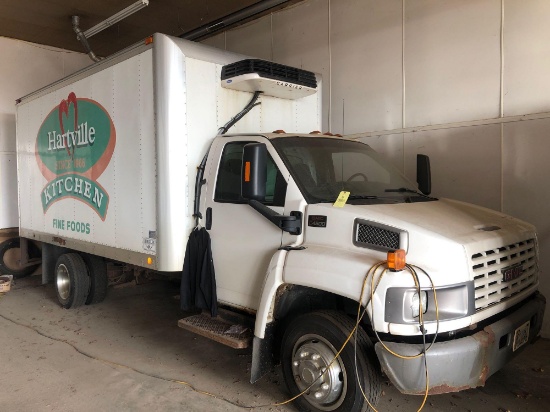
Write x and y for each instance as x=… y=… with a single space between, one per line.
x=512 y=272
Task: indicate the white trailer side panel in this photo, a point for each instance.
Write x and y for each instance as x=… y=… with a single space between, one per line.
x=127 y=209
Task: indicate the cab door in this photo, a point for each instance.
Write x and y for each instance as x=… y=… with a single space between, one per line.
x=243 y=241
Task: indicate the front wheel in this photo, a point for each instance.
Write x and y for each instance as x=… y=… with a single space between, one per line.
x=309 y=346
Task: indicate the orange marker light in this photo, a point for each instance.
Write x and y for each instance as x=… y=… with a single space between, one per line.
x=396 y=260
x=149 y=40
x=149 y=260
x=247 y=171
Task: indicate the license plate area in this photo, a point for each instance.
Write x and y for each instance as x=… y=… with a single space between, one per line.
x=521 y=336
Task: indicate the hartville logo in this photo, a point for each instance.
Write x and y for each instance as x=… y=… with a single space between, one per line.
x=74 y=146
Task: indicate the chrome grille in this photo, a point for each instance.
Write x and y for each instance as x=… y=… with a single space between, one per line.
x=373 y=236
x=490 y=288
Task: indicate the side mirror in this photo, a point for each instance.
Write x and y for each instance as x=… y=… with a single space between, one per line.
x=423 y=174
x=254 y=172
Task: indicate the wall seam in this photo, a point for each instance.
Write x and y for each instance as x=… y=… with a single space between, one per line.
x=329 y=70
x=502 y=105
x=403 y=90
x=271 y=29
x=501 y=58
x=455 y=125
x=403 y=120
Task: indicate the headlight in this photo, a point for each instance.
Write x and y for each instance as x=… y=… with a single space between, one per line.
x=453 y=302
x=416 y=301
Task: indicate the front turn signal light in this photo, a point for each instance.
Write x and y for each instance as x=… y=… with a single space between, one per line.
x=396 y=260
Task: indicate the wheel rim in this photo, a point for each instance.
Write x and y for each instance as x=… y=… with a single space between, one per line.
x=12 y=259
x=63 y=282
x=311 y=356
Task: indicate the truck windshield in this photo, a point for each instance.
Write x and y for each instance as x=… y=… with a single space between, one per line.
x=323 y=167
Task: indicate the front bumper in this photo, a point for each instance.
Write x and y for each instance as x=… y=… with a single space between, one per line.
x=461 y=363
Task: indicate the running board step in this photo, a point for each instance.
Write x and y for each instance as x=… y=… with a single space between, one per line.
x=234 y=335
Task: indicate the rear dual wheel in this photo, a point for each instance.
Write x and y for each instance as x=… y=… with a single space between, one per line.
x=97 y=270
x=80 y=279
x=72 y=280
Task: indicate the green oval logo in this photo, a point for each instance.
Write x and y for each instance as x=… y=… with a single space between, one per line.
x=74 y=146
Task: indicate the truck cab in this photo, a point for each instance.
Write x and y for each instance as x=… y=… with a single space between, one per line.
x=467 y=299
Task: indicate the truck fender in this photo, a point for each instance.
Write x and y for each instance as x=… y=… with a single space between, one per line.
x=262 y=346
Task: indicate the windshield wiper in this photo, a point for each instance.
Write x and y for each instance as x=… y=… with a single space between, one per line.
x=357 y=197
x=407 y=190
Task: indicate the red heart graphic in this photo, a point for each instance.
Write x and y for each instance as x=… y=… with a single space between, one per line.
x=64 y=109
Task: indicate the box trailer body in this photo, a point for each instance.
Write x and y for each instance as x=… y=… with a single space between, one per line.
x=108 y=161
x=121 y=185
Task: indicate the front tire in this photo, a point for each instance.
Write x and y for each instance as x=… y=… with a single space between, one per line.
x=309 y=345
x=72 y=280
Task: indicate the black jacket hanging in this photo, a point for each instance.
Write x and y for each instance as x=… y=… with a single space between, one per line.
x=198 y=279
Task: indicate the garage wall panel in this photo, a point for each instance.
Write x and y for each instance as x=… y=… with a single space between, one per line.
x=390 y=146
x=452 y=60
x=253 y=39
x=526 y=56
x=465 y=162
x=526 y=193
x=300 y=39
x=366 y=39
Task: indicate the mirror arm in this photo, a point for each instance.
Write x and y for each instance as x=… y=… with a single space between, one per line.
x=291 y=224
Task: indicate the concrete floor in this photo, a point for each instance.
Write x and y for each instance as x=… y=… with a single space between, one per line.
x=127 y=354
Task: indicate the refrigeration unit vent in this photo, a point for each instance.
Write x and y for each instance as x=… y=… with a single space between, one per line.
x=272 y=79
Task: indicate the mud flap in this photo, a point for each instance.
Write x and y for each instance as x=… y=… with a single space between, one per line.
x=262 y=354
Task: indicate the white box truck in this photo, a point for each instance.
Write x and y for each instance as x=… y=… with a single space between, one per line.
x=118 y=163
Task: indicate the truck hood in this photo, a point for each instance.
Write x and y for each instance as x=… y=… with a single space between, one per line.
x=458 y=221
x=441 y=236
x=454 y=221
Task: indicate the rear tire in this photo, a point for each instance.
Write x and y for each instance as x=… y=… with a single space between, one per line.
x=97 y=270
x=10 y=258
x=309 y=344
x=72 y=280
